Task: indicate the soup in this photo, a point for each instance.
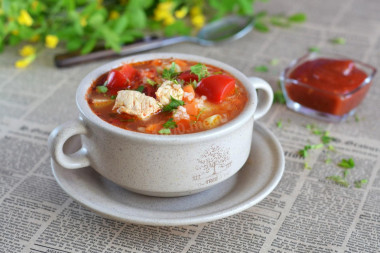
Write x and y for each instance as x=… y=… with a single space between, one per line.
x=167 y=96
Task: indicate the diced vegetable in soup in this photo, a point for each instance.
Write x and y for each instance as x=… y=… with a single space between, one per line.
x=167 y=96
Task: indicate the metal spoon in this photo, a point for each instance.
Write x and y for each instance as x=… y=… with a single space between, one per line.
x=228 y=28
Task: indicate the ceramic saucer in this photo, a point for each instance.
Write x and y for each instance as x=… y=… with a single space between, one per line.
x=258 y=177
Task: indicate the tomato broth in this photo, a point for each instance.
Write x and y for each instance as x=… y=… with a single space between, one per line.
x=167 y=96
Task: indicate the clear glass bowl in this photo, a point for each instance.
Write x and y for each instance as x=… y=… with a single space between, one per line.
x=320 y=103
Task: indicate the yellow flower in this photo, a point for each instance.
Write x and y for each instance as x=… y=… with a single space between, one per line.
x=51 y=41
x=114 y=15
x=163 y=11
x=181 y=13
x=35 y=38
x=196 y=10
x=24 y=62
x=169 y=20
x=198 y=21
x=83 y=21
x=24 y=18
x=27 y=50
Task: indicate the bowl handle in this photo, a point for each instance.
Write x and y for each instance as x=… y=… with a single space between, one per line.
x=57 y=139
x=265 y=99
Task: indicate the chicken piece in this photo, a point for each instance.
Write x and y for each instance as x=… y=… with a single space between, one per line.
x=167 y=90
x=181 y=113
x=135 y=103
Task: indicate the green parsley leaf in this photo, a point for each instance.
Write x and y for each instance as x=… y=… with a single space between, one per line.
x=261 y=68
x=113 y=97
x=279 y=124
x=326 y=139
x=347 y=163
x=297 y=18
x=274 y=62
x=306 y=166
x=314 y=49
x=278 y=97
x=101 y=89
x=151 y=82
x=170 y=74
x=261 y=27
x=140 y=88
x=170 y=124
x=338 y=180
x=200 y=70
x=338 y=41
x=174 y=103
x=164 y=131
x=331 y=147
x=356 y=118
x=359 y=183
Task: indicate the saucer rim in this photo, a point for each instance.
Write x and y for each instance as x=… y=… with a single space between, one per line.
x=178 y=221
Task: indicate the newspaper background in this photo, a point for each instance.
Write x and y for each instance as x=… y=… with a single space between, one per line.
x=305 y=213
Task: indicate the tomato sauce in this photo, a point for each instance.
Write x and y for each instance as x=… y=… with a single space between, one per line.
x=328 y=85
x=213 y=104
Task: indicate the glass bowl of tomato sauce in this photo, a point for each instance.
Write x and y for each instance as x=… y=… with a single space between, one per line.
x=326 y=86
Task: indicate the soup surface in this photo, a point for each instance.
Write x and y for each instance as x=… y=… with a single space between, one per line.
x=167 y=96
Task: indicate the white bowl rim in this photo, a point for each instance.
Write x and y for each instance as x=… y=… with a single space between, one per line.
x=222 y=130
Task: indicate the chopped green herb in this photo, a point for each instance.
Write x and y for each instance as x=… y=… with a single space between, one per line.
x=317 y=131
x=170 y=124
x=279 y=124
x=280 y=21
x=113 y=97
x=297 y=18
x=274 y=62
x=101 y=89
x=174 y=103
x=306 y=166
x=359 y=183
x=317 y=146
x=151 y=82
x=314 y=49
x=194 y=83
x=347 y=163
x=303 y=152
x=345 y=173
x=278 y=97
x=140 y=88
x=261 y=68
x=331 y=147
x=199 y=114
x=338 y=41
x=326 y=139
x=164 y=131
x=200 y=70
x=171 y=73
x=261 y=27
x=339 y=180
x=356 y=118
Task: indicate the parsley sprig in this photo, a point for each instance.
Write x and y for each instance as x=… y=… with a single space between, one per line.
x=174 y=104
x=170 y=124
x=170 y=73
x=200 y=70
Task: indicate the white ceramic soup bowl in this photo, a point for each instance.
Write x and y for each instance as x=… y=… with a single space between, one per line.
x=161 y=165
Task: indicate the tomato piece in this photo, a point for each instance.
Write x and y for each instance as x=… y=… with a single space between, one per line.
x=188 y=77
x=116 y=80
x=216 y=88
x=128 y=71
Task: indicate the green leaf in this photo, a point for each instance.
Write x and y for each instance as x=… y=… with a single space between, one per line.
x=347 y=163
x=314 y=49
x=170 y=73
x=338 y=41
x=177 y=28
x=297 y=18
x=111 y=38
x=359 y=183
x=274 y=62
x=279 y=124
x=170 y=124
x=96 y=19
x=261 y=27
x=280 y=21
x=200 y=70
x=88 y=46
x=278 y=97
x=174 y=103
x=261 y=68
x=140 y=88
x=121 y=24
x=338 y=180
x=164 y=131
x=101 y=89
